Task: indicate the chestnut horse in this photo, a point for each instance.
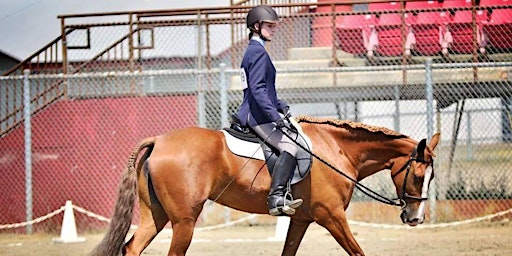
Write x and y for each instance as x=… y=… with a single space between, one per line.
x=183 y=168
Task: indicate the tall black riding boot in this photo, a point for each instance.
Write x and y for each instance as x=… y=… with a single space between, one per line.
x=278 y=203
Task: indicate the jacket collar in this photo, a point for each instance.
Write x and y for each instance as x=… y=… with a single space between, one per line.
x=258 y=39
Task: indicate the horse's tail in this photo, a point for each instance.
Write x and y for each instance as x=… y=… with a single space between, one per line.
x=113 y=241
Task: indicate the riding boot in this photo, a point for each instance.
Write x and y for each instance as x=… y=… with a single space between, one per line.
x=278 y=202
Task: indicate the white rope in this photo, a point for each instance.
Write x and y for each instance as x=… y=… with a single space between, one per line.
x=91 y=214
x=432 y=226
x=252 y=216
x=229 y=224
x=40 y=219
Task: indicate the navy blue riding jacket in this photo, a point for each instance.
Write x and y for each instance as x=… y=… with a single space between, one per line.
x=258 y=74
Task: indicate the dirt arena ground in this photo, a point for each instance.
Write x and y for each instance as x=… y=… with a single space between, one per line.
x=485 y=238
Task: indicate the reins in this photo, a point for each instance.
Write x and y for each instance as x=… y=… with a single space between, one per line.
x=364 y=189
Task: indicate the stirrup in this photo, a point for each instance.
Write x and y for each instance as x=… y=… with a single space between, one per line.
x=289 y=201
x=289 y=205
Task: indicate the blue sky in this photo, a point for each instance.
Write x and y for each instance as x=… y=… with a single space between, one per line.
x=28 y=25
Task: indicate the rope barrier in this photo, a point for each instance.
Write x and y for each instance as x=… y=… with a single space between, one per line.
x=432 y=226
x=252 y=216
x=40 y=219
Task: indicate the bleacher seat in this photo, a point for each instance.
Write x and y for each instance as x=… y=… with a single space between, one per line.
x=357 y=34
x=498 y=30
x=461 y=31
x=495 y=2
x=428 y=27
x=456 y=3
x=384 y=6
x=389 y=31
x=429 y=32
x=322 y=25
x=422 y=4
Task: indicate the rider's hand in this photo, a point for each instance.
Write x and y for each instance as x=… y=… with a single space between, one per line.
x=280 y=123
x=286 y=111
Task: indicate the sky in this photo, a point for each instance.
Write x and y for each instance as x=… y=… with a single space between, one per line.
x=27 y=25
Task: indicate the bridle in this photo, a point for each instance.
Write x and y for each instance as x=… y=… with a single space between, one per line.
x=407 y=167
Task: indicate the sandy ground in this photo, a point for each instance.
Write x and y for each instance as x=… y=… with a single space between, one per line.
x=485 y=238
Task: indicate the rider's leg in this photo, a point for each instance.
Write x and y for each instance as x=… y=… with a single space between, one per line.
x=277 y=201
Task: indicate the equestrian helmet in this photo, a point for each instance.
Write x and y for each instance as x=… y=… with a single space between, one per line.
x=261 y=13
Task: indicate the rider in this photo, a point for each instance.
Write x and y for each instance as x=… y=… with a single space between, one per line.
x=263 y=111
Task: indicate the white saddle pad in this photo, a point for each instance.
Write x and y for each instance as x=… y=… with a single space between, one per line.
x=253 y=150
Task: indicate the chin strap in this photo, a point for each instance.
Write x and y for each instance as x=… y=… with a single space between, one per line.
x=258 y=31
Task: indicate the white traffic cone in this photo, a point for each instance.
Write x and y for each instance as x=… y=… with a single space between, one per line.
x=68 y=232
x=281 y=229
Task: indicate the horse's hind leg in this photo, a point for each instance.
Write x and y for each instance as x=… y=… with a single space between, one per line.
x=183 y=202
x=183 y=218
x=152 y=218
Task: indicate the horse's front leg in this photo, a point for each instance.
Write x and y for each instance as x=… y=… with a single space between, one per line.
x=296 y=231
x=336 y=223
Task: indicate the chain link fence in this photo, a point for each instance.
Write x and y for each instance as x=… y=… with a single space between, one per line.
x=120 y=80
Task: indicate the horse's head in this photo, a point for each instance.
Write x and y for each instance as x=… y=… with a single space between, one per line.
x=412 y=178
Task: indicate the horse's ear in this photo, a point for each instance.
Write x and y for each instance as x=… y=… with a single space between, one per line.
x=421 y=148
x=433 y=142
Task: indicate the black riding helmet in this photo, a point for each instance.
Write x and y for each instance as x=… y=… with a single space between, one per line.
x=260 y=14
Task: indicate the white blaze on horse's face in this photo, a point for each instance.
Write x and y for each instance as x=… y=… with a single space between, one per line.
x=413 y=212
x=420 y=213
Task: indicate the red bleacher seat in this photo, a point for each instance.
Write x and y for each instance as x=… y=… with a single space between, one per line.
x=425 y=26
x=495 y=2
x=428 y=32
x=384 y=6
x=422 y=5
x=389 y=30
x=456 y=3
x=322 y=25
x=499 y=29
x=461 y=30
x=355 y=32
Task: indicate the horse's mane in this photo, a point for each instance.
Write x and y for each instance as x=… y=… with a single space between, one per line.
x=349 y=124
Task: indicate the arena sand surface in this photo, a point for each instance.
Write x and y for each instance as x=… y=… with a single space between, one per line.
x=484 y=238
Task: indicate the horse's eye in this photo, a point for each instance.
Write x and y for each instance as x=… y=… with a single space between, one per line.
x=417 y=179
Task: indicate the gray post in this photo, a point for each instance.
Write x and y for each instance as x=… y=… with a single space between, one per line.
x=429 y=95
x=469 y=140
x=223 y=96
x=396 y=117
x=28 y=149
x=201 y=105
x=201 y=102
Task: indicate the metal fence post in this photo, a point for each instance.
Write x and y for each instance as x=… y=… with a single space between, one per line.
x=28 y=149
x=429 y=96
x=396 y=116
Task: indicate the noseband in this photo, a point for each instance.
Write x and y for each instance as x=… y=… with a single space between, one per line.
x=407 y=167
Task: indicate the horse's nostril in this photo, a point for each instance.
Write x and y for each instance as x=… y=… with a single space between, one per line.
x=403 y=216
